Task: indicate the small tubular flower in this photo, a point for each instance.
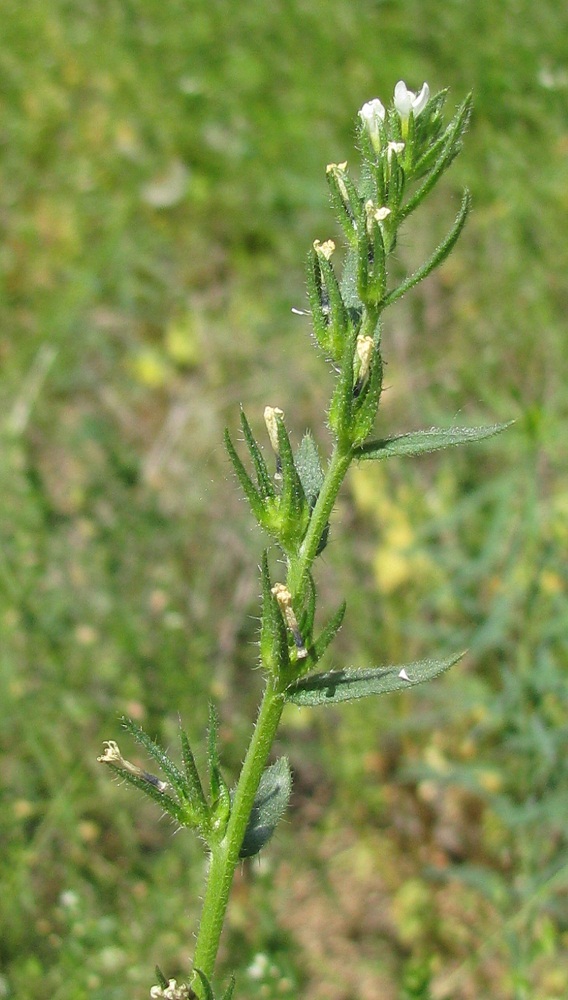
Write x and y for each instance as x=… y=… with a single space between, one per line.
x=406 y=100
x=371 y=114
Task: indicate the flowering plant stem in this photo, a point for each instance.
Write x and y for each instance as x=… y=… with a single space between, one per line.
x=405 y=152
x=225 y=855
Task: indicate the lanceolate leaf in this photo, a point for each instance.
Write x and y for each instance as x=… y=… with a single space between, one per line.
x=329 y=632
x=270 y=803
x=422 y=442
x=346 y=685
x=439 y=255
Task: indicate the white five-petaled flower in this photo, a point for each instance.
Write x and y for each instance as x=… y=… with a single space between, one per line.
x=371 y=114
x=406 y=100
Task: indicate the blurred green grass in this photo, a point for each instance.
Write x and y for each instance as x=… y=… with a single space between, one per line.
x=162 y=175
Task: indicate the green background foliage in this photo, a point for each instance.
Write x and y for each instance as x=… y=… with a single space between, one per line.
x=162 y=177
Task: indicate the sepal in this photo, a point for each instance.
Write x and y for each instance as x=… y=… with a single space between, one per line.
x=208 y=993
x=219 y=790
x=293 y=506
x=274 y=654
x=333 y=324
x=345 y=200
x=367 y=403
x=265 y=484
x=341 y=407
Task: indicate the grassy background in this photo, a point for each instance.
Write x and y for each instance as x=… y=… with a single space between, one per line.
x=162 y=176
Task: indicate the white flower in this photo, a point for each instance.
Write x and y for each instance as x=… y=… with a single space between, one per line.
x=406 y=100
x=171 y=992
x=394 y=147
x=371 y=114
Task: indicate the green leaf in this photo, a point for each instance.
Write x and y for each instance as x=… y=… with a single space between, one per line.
x=437 y=258
x=270 y=803
x=346 y=685
x=328 y=633
x=423 y=442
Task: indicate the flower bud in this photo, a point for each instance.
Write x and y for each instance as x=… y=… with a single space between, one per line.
x=324 y=250
x=271 y=414
x=284 y=599
x=364 y=348
x=375 y=214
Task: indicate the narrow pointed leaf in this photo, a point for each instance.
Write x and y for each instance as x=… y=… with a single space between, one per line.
x=423 y=442
x=346 y=685
x=437 y=257
x=270 y=803
x=328 y=633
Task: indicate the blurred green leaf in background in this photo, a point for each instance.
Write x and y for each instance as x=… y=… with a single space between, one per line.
x=162 y=174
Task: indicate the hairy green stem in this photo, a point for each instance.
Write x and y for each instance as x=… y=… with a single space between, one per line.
x=225 y=854
x=300 y=564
